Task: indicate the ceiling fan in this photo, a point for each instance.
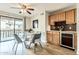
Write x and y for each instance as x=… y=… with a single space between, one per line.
x=24 y=8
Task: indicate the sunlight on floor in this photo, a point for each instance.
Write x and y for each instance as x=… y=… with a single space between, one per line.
x=6 y=49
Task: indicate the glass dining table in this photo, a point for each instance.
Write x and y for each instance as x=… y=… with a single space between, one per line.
x=27 y=38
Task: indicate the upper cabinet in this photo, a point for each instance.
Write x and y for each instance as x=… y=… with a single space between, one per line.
x=51 y=20
x=55 y=17
x=70 y=17
x=62 y=16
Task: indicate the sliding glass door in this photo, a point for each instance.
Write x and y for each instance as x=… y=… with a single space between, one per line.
x=9 y=26
x=19 y=27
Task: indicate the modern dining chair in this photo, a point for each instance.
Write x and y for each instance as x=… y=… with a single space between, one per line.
x=18 y=41
x=38 y=38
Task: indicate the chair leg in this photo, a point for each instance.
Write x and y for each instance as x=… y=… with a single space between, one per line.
x=34 y=47
x=13 y=45
x=30 y=44
x=16 y=49
x=23 y=45
x=40 y=45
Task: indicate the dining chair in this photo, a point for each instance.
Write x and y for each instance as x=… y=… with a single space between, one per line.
x=18 y=41
x=36 y=37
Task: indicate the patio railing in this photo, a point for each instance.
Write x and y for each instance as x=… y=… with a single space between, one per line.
x=8 y=34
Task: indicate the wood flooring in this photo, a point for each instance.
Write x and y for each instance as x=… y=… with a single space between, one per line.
x=50 y=49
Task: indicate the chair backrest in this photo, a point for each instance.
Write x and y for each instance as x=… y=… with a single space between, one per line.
x=17 y=38
x=36 y=36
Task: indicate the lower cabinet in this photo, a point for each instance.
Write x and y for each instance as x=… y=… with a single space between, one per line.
x=49 y=37
x=53 y=37
x=56 y=38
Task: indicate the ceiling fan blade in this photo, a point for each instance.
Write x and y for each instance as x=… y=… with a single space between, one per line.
x=29 y=12
x=30 y=9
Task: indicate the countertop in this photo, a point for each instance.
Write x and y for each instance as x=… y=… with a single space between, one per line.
x=63 y=31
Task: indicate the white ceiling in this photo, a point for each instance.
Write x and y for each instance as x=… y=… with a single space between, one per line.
x=37 y=6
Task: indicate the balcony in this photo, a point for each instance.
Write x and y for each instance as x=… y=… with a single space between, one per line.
x=8 y=34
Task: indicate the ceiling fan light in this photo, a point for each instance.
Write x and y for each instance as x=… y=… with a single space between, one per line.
x=21 y=10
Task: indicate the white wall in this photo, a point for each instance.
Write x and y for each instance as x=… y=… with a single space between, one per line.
x=41 y=16
x=47 y=23
x=28 y=23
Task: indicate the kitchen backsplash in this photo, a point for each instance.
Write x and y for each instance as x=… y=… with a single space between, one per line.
x=70 y=27
x=67 y=27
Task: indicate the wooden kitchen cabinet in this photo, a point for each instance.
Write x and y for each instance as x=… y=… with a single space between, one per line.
x=56 y=37
x=49 y=37
x=56 y=16
x=62 y=16
x=53 y=37
x=51 y=20
x=75 y=41
x=70 y=17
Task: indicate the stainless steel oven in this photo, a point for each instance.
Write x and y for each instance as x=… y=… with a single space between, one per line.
x=67 y=40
